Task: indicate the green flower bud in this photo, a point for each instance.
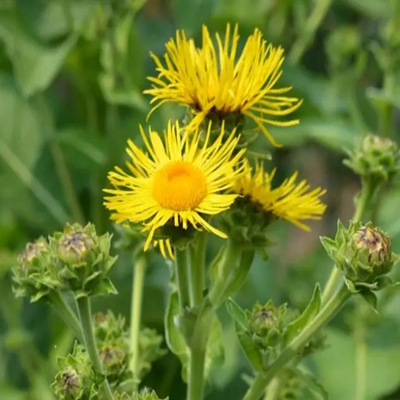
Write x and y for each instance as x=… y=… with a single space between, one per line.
x=70 y=383
x=34 y=275
x=76 y=378
x=83 y=260
x=74 y=246
x=362 y=252
x=114 y=357
x=374 y=157
x=266 y=324
x=113 y=342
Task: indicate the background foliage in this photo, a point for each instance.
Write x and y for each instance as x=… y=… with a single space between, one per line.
x=72 y=74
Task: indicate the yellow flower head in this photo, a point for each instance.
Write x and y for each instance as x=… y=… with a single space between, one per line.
x=178 y=181
x=214 y=79
x=290 y=201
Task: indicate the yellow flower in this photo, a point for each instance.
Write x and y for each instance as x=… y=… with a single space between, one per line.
x=214 y=80
x=290 y=201
x=178 y=181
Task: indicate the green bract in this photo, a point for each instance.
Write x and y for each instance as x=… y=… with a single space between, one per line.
x=76 y=378
x=362 y=252
x=143 y=395
x=374 y=157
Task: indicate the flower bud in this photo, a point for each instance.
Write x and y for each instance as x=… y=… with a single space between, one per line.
x=34 y=275
x=362 y=252
x=83 y=260
x=74 y=246
x=76 y=378
x=70 y=383
x=265 y=324
x=374 y=157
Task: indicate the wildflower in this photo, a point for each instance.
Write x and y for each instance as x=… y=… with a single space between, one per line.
x=175 y=184
x=290 y=201
x=212 y=80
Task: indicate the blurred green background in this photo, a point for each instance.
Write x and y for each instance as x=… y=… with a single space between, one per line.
x=72 y=74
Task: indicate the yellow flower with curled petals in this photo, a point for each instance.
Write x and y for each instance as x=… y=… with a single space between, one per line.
x=178 y=181
x=292 y=201
x=216 y=79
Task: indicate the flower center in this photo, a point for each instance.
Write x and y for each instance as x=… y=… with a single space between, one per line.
x=179 y=186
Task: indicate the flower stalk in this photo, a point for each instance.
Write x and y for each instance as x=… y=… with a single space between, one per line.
x=85 y=315
x=136 y=313
x=333 y=306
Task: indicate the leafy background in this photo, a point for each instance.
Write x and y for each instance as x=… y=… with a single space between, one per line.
x=72 y=74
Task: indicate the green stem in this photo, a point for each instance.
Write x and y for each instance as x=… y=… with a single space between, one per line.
x=136 y=313
x=66 y=313
x=367 y=192
x=197 y=254
x=182 y=278
x=196 y=374
x=274 y=390
x=325 y=315
x=363 y=202
x=361 y=363
x=230 y=257
x=85 y=314
x=311 y=25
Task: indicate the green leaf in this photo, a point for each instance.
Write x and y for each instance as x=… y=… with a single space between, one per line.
x=239 y=275
x=336 y=363
x=121 y=59
x=250 y=350
x=308 y=315
x=22 y=124
x=334 y=134
x=215 y=354
x=237 y=313
x=370 y=297
x=175 y=340
x=351 y=286
x=35 y=65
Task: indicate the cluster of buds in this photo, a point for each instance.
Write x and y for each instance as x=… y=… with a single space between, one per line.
x=113 y=344
x=362 y=252
x=76 y=259
x=76 y=378
x=375 y=158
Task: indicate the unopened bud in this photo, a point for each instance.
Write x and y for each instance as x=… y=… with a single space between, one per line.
x=31 y=252
x=70 y=383
x=374 y=157
x=362 y=252
x=74 y=246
